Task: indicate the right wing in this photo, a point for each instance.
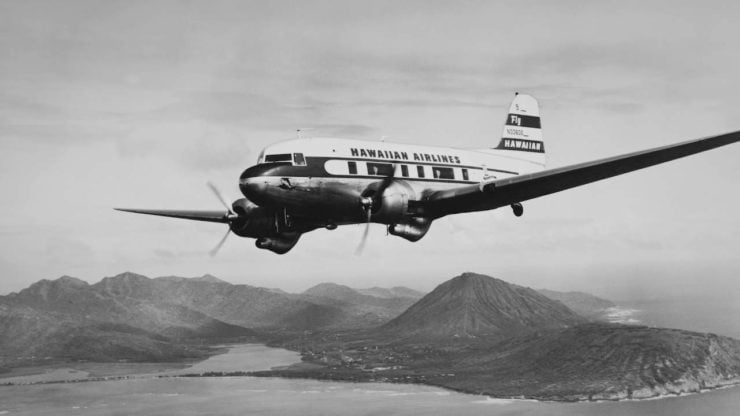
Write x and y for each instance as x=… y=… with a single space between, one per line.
x=209 y=216
x=507 y=191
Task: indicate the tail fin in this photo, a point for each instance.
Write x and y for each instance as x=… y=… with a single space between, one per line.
x=522 y=134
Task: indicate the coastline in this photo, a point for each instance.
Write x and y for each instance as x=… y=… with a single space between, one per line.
x=85 y=371
x=312 y=371
x=421 y=380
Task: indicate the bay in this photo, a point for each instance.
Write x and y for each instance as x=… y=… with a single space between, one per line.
x=144 y=394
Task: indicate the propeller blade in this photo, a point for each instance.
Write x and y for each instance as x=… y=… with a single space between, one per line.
x=368 y=203
x=361 y=246
x=215 y=250
x=219 y=196
x=386 y=181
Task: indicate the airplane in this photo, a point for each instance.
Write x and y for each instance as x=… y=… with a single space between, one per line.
x=304 y=184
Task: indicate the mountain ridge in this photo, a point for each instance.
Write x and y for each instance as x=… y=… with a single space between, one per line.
x=473 y=333
x=132 y=316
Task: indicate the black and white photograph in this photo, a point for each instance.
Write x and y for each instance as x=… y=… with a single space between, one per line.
x=326 y=207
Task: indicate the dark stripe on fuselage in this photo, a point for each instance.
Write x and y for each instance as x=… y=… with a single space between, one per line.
x=415 y=163
x=521 y=120
x=315 y=169
x=522 y=145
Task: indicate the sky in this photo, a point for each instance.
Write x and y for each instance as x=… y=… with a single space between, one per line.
x=140 y=103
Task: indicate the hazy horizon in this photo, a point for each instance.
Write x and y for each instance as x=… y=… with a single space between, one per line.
x=139 y=104
x=728 y=297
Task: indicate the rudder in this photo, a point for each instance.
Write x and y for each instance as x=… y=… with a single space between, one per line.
x=522 y=132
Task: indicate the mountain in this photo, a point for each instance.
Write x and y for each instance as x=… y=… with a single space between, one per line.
x=394 y=292
x=473 y=305
x=584 y=304
x=600 y=361
x=482 y=335
x=131 y=316
x=359 y=310
x=241 y=305
x=205 y=278
x=69 y=319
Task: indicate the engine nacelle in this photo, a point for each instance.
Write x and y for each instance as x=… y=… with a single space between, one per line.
x=393 y=204
x=413 y=229
x=253 y=220
x=280 y=244
x=243 y=206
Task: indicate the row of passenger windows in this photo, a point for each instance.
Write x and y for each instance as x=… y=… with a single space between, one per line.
x=386 y=169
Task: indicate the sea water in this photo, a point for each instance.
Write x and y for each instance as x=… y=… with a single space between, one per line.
x=269 y=396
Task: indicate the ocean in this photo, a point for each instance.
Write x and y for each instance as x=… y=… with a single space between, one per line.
x=144 y=394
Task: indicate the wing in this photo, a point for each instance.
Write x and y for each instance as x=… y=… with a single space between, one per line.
x=502 y=192
x=209 y=216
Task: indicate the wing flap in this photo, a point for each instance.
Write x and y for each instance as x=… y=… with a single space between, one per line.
x=502 y=192
x=208 y=216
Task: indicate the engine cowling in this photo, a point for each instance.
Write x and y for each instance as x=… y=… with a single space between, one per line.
x=393 y=204
x=243 y=206
x=413 y=229
x=252 y=220
x=280 y=244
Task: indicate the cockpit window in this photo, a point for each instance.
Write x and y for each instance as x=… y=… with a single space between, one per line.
x=282 y=157
x=298 y=159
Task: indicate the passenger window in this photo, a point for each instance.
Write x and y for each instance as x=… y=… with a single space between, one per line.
x=443 y=173
x=420 y=171
x=298 y=159
x=465 y=174
x=382 y=169
x=352 y=168
x=404 y=171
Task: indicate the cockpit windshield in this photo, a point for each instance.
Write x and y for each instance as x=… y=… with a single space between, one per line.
x=293 y=158
x=281 y=157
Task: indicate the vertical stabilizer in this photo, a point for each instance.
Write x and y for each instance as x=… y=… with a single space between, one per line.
x=522 y=135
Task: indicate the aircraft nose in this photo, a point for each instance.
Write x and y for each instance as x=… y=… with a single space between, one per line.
x=252 y=182
x=252 y=187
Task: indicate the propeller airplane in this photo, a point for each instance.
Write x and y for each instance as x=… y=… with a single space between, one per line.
x=304 y=184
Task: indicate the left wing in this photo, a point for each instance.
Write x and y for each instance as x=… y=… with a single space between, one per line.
x=209 y=216
x=502 y=192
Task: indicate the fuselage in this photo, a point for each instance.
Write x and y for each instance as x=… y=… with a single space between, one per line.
x=323 y=178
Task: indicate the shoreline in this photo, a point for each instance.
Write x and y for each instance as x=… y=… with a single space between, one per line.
x=583 y=398
x=301 y=370
x=522 y=398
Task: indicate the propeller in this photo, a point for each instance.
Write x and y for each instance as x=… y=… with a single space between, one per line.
x=230 y=216
x=215 y=250
x=219 y=196
x=370 y=202
x=361 y=246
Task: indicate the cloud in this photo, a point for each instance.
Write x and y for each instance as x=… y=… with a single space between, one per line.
x=68 y=251
x=193 y=144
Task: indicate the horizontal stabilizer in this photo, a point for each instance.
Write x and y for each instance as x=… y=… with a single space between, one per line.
x=209 y=216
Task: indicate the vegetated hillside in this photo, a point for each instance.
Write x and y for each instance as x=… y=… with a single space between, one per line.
x=359 y=310
x=473 y=305
x=600 y=361
x=482 y=335
x=394 y=292
x=242 y=305
x=584 y=304
x=69 y=319
x=133 y=317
